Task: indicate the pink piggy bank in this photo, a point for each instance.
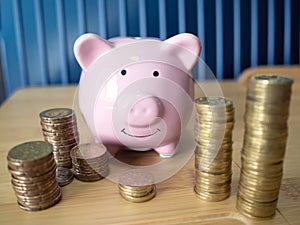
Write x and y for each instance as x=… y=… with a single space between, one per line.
x=137 y=92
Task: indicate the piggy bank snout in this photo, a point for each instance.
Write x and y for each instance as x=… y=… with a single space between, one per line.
x=145 y=111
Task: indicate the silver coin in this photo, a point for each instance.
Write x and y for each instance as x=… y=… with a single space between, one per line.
x=64 y=176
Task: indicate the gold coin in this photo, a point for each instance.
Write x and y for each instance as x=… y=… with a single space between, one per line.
x=255 y=210
x=88 y=178
x=211 y=197
x=43 y=206
x=32 y=186
x=33 y=173
x=31 y=166
x=29 y=151
x=213 y=101
x=25 y=192
x=258 y=195
x=267 y=157
x=88 y=151
x=271 y=79
x=58 y=127
x=136 y=191
x=35 y=199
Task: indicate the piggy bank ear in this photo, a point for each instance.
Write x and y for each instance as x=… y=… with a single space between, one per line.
x=88 y=47
x=187 y=42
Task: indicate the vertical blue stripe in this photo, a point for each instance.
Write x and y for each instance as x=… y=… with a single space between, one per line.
x=254 y=32
x=20 y=44
x=3 y=61
x=201 y=25
x=287 y=32
x=271 y=32
x=122 y=18
x=62 y=42
x=201 y=35
x=81 y=16
x=181 y=16
x=143 y=18
x=41 y=42
x=102 y=18
x=1 y=5
x=236 y=38
x=162 y=19
x=219 y=40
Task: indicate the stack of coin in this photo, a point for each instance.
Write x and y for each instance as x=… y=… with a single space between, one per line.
x=267 y=109
x=32 y=169
x=60 y=130
x=137 y=186
x=213 y=155
x=90 y=162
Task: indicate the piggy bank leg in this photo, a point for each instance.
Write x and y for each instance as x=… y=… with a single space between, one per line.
x=168 y=150
x=113 y=149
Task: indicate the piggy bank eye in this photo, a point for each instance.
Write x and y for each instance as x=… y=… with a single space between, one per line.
x=123 y=72
x=155 y=73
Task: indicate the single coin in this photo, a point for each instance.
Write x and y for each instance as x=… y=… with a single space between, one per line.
x=270 y=79
x=46 y=205
x=56 y=113
x=64 y=176
x=211 y=197
x=88 y=151
x=88 y=178
x=29 y=151
x=137 y=178
x=213 y=101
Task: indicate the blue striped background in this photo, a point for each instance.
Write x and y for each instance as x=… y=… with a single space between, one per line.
x=37 y=36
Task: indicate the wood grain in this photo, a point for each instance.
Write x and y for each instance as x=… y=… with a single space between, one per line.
x=100 y=203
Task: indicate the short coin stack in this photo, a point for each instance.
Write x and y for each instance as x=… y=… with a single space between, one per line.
x=267 y=109
x=90 y=162
x=137 y=186
x=32 y=169
x=64 y=176
x=213 y=155
x=59 y=128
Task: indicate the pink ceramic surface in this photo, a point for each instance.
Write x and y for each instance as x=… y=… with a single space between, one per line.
x=137 y=92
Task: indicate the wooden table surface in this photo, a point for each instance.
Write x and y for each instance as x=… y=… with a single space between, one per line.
x=100 y=203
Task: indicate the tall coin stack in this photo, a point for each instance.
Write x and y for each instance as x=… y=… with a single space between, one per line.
x=213 y=155
x=32 y=169
x=267 y=110
x=137 y=186
x=59 y=128
x=90 y=162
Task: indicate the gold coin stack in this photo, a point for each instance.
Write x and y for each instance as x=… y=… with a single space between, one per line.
x=32 y=168
x=90 y=162
x=137 y=186
x=59 y=128
x=267 y=109
x=213 y=155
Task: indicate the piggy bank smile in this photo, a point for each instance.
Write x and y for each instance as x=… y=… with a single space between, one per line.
x=140 y=136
